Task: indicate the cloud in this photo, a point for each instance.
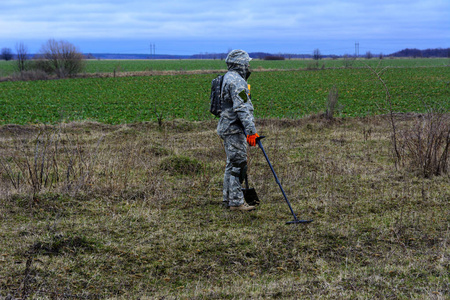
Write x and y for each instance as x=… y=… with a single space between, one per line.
x=262 y=20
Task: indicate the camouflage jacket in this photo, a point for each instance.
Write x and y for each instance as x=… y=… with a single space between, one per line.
x=237 y=109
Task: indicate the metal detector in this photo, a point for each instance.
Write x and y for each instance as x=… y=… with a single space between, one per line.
x=296 y=220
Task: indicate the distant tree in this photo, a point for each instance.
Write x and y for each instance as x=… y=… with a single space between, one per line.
x=22 y=57
x=274 y=57
x=6 y=54
x=317 y=54
x=438 y=52
x=408 y=53
x=369 y=55
x=89 y=56
x=61 y=58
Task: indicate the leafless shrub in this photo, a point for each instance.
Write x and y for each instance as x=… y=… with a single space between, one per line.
x=317 y=55
x=22 y=57
x=332 y=102
x=50 y=161
x=312 y=65
x=425 y=145
x=159 y=114
x=60 y=58
x=377 y=73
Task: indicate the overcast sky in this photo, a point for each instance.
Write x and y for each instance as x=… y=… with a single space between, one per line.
x=207 y=26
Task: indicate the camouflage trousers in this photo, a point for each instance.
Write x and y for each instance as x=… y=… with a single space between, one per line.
x=235 y=170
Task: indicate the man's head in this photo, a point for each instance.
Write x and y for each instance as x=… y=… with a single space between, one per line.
x=238 y=57
x=239 y=60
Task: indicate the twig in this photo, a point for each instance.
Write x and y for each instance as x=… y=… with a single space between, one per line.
x=389 y=101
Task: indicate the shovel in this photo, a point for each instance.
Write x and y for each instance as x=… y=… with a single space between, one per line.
x=296 y=220
x=250 y=195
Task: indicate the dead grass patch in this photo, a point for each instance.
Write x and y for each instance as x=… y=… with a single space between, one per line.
x=133 y=229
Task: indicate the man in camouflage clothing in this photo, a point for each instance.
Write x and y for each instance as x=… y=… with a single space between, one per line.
x=236 y=120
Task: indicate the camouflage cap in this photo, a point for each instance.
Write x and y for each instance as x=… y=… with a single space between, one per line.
x=239 y=57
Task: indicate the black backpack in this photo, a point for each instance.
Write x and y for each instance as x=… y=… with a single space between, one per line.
x=216 y=95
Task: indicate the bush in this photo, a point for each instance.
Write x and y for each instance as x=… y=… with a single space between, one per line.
x=332 y=102
x=22 y=57
x=317 y=55
x=6 y=54
x=60 y=58
x=425 y=146
x=312 y=65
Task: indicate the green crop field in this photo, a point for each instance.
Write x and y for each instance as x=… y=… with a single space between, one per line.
x=276 y=94
x=100 y=66
x=104 y=66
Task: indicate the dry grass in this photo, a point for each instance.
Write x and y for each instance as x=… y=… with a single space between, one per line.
x=119 y=217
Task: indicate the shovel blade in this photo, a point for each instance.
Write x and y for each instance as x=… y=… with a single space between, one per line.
x=251 y=197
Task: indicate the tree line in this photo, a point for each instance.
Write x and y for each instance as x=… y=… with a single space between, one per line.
x=437 y=52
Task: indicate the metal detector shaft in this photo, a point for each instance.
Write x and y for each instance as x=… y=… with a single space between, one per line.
x=296 y=220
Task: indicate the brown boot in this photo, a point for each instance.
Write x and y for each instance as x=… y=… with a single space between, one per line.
x=243 y=207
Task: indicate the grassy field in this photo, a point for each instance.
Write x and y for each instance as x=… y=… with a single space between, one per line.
x=276 y=94
x=182 y=65
x=109 y=66
x=110 y=188
x=97 y=211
